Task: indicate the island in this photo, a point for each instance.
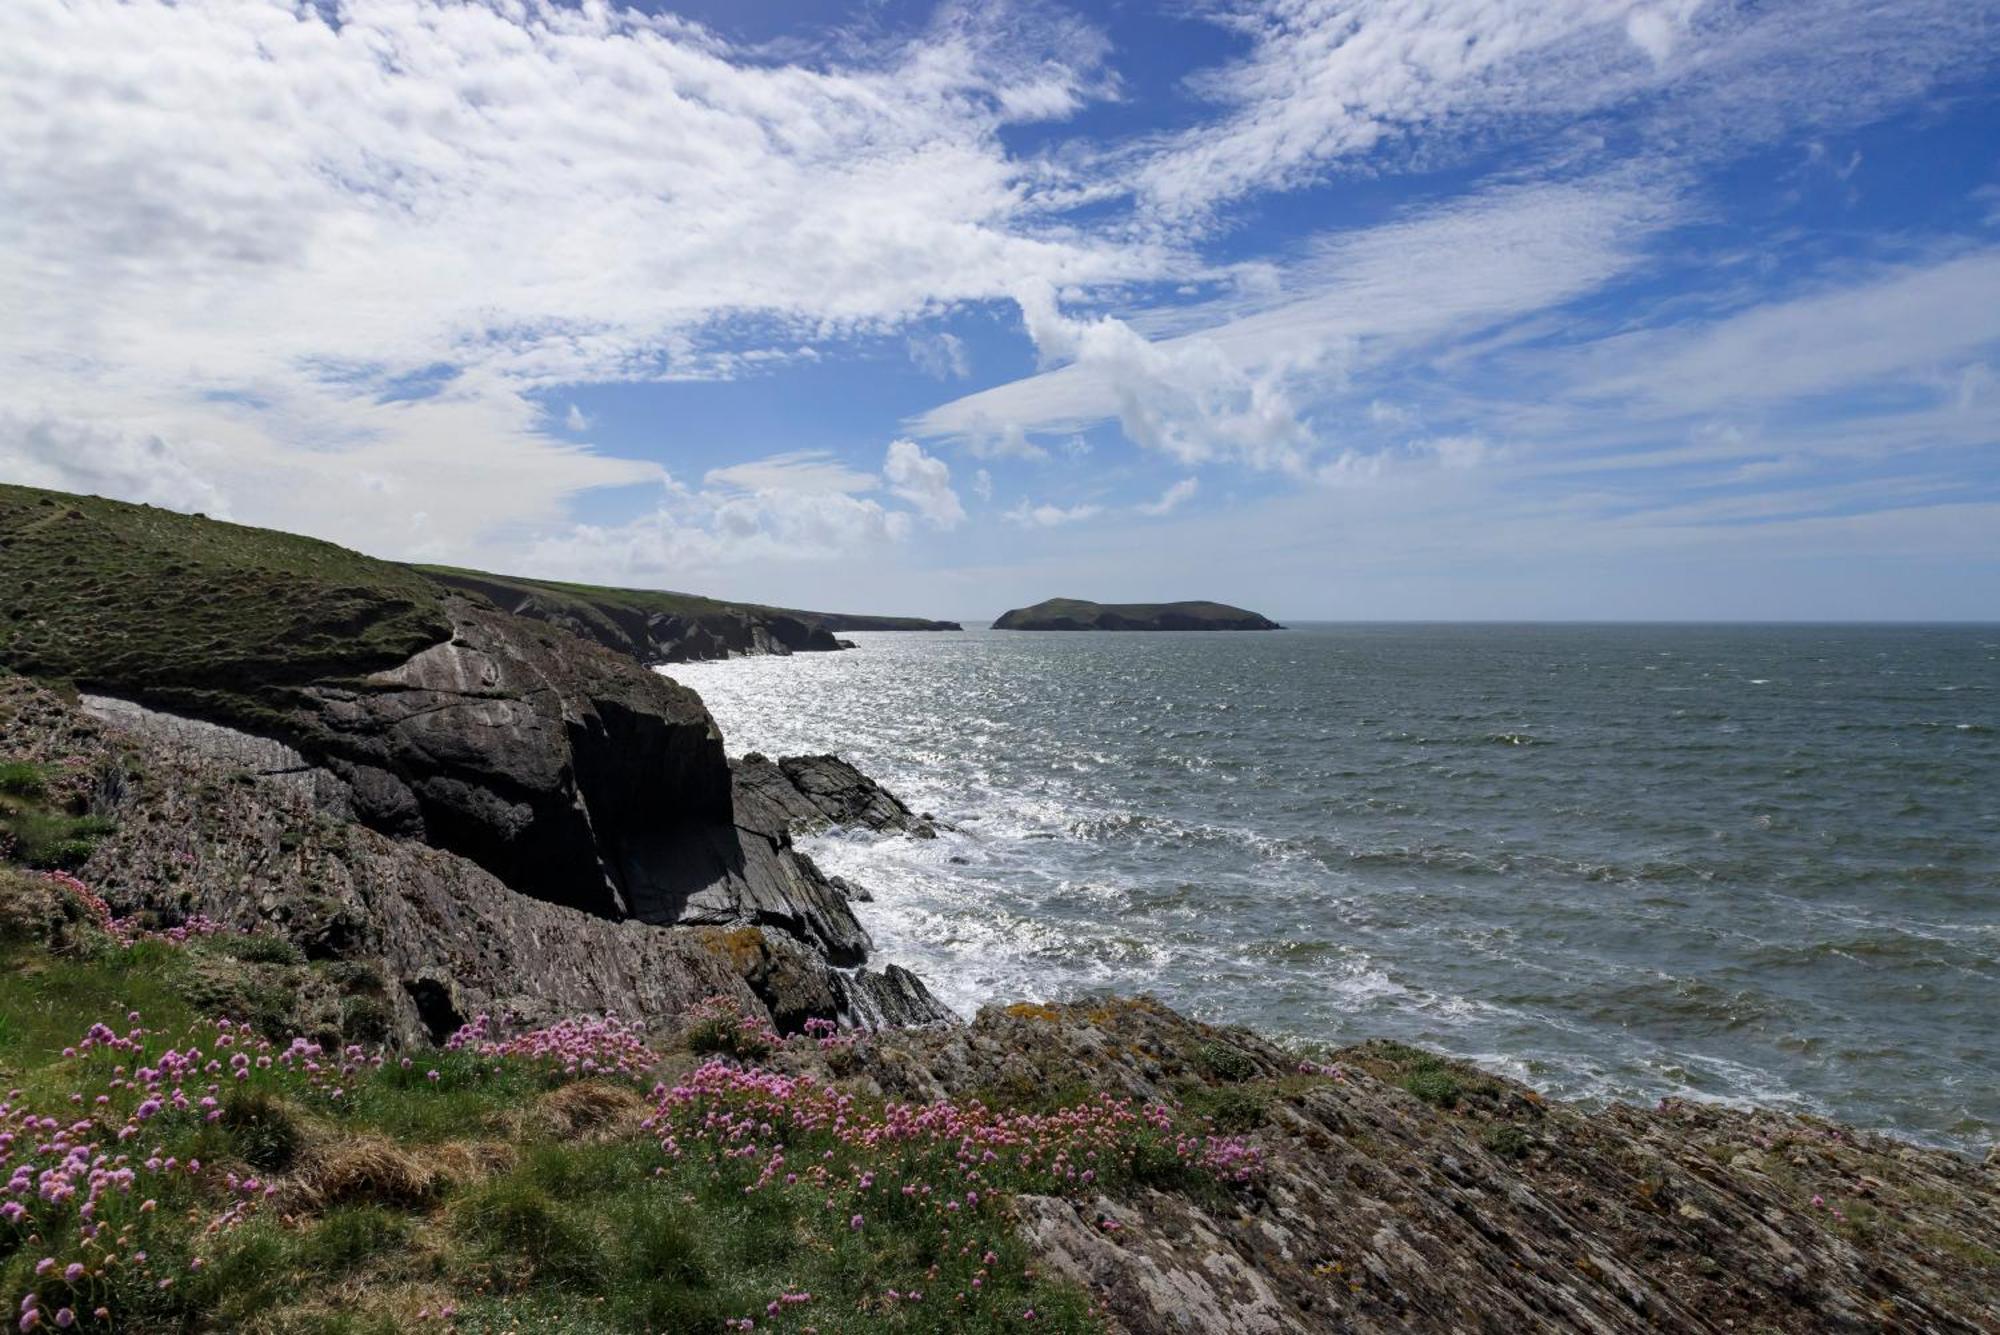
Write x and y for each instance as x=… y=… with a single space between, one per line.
x=1081 y=614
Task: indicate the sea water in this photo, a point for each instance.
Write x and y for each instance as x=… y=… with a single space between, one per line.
x=1758 y=864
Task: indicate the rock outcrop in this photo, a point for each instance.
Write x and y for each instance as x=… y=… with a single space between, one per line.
x=197 y=833
x=808 y=794
x=1398 y=1191
x=1079 y=614
x=564 y=771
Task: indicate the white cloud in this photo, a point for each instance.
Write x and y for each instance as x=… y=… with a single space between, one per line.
x=245 y=230
x=1237 y=388
x=1891 y=323
x=982 y=485
x=576 y=420
x=1172 y=498
x=812 y=472
x=1046 y=515
x=924 y=482
x=787 y=509
x=1333 y=81
x=102 y=460
x=940 y=355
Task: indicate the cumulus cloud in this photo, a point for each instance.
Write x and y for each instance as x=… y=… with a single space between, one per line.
x=924 y=482
x=288 y=223
x=1172 y=498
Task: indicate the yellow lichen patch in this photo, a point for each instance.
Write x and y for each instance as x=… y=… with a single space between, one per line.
x=1034 y=1010
x=743 y=947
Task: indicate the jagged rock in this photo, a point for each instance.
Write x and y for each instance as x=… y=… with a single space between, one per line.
x=1488 y=1209
x=197 y=835
x=807 y=794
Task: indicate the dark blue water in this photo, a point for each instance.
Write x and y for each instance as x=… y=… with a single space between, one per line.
x=1746 y=863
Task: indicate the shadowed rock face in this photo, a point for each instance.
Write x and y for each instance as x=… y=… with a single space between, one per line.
x=560 y=767
x=211 y=821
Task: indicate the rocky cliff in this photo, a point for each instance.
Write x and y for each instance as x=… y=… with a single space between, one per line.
x=510 y=768
x=1079 y=614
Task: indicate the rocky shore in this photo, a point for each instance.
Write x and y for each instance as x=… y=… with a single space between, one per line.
x=437 y=807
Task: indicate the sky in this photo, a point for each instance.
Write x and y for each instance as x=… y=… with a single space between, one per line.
x=1337 y=309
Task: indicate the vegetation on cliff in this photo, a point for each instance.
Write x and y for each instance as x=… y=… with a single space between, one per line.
x=597 y=602
x=104 y=592
x=168 y=1168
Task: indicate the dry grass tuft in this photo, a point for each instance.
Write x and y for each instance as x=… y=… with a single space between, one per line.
x=589 y=1107
x=461 y=1161
x=364 y=1169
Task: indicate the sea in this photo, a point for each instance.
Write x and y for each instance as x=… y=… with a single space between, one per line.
x=1751 y=864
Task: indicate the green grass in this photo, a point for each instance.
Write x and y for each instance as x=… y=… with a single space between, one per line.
x=545 y=1233
x=45 y=819
x=603 y=606
x=1437 y=1080
x=128 y=597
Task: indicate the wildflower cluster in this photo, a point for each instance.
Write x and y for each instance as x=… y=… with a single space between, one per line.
x=936 y=1169
x=126 y=930
x=87 y=1188
x=718 y=1024
x=573 y=1047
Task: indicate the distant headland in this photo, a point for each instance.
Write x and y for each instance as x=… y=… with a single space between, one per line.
x=1080 y=614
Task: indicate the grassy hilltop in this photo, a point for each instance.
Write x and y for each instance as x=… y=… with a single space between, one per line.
x=102 y=592
x=593 y=603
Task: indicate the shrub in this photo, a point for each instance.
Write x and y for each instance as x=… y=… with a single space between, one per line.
x=719 y=1025
x=1508 y=1140
x=1435 y=1085
x=1231 y=1108
x=18 y=778
x=1221 y=1061
x=262 y=1129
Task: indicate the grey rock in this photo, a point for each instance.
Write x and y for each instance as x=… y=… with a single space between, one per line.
x=808 y=794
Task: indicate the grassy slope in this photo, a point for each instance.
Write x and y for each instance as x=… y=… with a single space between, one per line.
x=129 y=596
x=522 y=1197
x=585 y=600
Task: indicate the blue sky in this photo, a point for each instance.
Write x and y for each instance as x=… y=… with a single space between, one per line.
x=1488 y=309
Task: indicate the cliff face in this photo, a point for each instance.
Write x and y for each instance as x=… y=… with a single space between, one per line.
x=1078 y=614
x=559 y=770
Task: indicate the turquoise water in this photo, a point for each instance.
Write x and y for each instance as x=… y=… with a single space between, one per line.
x=1745 y=863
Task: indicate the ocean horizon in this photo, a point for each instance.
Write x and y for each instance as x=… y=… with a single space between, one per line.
x=1749 y=863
